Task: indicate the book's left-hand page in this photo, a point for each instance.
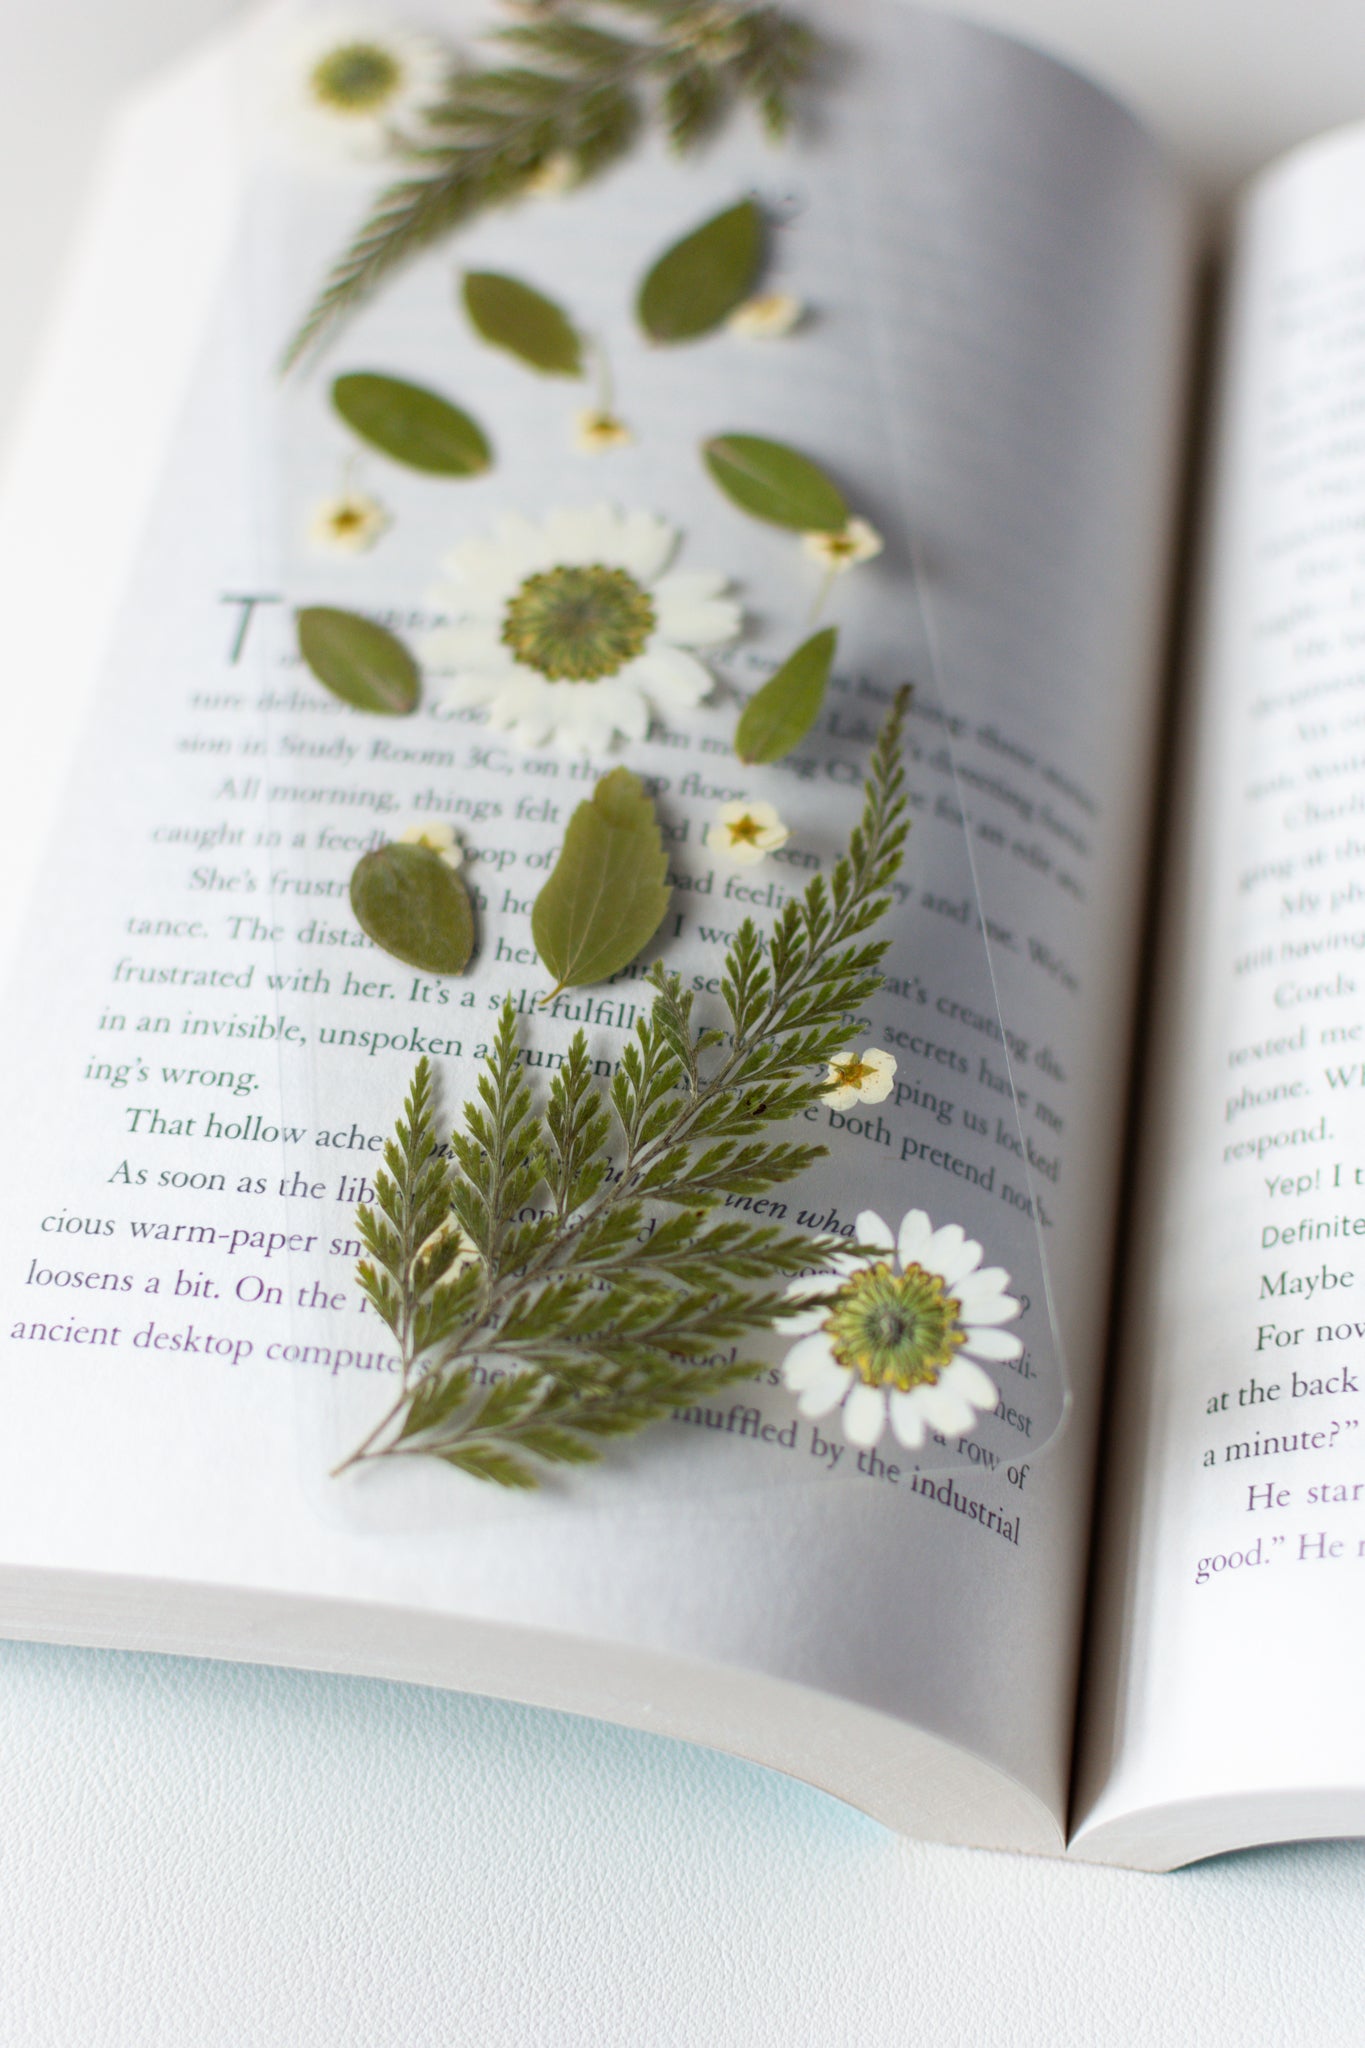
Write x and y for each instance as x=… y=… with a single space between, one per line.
x=1011 y=345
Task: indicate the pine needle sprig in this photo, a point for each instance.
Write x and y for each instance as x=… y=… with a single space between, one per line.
x=567 y=1276
x=571 y=97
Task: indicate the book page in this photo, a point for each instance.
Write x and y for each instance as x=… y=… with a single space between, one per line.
x=994 y=264
x=1224 y=1709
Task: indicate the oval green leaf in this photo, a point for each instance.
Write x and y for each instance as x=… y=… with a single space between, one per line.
x=698 y=283
x=607 y=894
x=775 y=483
x=358 y=661
x=413 y=906
x=411 y=425
x=778 y=717
x=511 y=315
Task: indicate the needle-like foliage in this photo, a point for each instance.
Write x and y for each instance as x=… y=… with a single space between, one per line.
x=571 y=85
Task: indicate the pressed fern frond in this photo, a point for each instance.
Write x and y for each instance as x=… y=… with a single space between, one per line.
x=563 y=1276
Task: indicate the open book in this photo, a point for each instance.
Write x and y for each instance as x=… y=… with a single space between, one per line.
x=1135 y=1639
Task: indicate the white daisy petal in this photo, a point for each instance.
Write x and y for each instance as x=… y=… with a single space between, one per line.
x=825 y=1392
x=807 y=1360
x=986 y=1283
x=671 y=676
x=646 y=545
x=971 y=1383
x=695 y=621
x=998 y=1344
x=952 y=1254
x=908 y=1419
x=993 y=1308
x=947 y=1412
x=870 y=1229
x=916 y=1235
x=864 y=1415
x=469 y=689
x=690 y=586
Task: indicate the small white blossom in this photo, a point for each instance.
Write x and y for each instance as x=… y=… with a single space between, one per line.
x=351 y=83
x=596 y=432
x=552 y=179
x=437 y=837
x=860 y=1077
x=858 y=542
x=899 y=1333
x=767 y=316
x=744 y=832
x=348 y=524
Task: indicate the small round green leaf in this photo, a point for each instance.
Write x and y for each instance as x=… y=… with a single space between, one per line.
x=778 y=717
x=411 y=425
x=608 y=892
x=775 y=483
x=413 y=906
x=358 y=661
x=511 y=315
x=698 y=283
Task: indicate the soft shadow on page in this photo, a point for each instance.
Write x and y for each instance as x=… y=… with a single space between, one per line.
x=1229 y=1659
x=996 y=268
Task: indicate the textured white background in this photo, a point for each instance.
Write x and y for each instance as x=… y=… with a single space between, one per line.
x=198 y=1856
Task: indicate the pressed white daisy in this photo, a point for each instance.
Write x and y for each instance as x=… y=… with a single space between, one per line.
x=767 y=316
x=348 y=524
x=572 y=628
x=857 y=542
x=437 y=837
x=902 y=1336
x=744 y=832
x=350 y=83
x=860 y=1077
x=595 y=432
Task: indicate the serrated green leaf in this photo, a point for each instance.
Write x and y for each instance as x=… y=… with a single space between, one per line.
x=358 y=661
x=774 y=482
x=607 y=895
x=698 y=283
x=513 y=316
x=411 y=424
x=412 y=905
x=778 y=717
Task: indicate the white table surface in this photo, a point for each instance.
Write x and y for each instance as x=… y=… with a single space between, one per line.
x=208 y=1856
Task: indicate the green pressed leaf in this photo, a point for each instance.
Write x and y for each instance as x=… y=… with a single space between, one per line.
x=511 y=315
x=778 y=717
x=698 y=283
x=412 y=905
x=410 y=424
x=358 y=661
x=607 y=895
x=775 y=483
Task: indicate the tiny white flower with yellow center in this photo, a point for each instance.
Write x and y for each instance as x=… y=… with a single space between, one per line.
x=860 y=1077
x=744 y=832
x=348 y=524
x=437 y=837
x=897 y=1333
x=352 y=83
x=767 y=316
x=558 y=174
x=837 y=552
x=595 y=432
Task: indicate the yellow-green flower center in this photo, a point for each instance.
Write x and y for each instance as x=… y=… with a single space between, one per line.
x=356 y=78
x=745 y=831
x=851 y=1073
x=895 y=1329
x=578 y=625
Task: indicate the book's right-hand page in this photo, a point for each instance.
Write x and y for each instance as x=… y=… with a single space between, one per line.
x=1224 y=1703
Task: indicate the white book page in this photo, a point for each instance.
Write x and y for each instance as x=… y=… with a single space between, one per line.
x=996 y=265
x=1224 y=1708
